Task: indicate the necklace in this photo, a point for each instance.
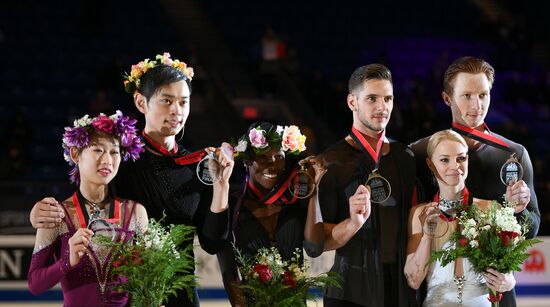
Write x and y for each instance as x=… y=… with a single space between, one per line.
x=448 y=204
x=94 y=209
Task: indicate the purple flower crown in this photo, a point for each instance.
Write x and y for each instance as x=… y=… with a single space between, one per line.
x=117 y=125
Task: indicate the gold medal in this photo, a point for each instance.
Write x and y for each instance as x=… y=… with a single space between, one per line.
x=301 y=184
x=380 y=188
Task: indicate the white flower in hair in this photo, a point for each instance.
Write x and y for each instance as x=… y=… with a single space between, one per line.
x=115 y=116
x=241 y=147
x=82 y=122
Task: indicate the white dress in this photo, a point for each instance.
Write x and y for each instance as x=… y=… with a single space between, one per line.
x=442 y=290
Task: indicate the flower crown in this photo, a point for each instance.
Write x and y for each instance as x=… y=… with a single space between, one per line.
x=131 y=81
x=259 y=141
x=116 y=125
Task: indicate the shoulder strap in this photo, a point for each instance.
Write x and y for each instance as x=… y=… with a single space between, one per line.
x=67 y=218
x=128 y=215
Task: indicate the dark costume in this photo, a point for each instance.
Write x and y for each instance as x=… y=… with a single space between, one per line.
x=371 y=263
x=163 y=186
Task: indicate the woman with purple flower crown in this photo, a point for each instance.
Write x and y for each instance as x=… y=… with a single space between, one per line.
x=68 y=253
x=165 y=178
x=265 y=211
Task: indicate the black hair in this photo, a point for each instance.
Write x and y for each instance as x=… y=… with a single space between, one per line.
x=368 y=72
x=159 y=76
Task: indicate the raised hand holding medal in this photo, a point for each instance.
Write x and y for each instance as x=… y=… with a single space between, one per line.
x=511 y=171
x=302 y=183
x=216 y=164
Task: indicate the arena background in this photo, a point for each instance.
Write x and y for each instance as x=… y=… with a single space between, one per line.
x=283 y=61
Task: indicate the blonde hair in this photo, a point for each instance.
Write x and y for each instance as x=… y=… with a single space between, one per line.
x=436 y=139
x=443 y=135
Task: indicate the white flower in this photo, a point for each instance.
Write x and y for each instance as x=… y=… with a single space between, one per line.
x=241 y=147
x=280 y=129
x=115 y=116
x=474 y=243
x=83 y=122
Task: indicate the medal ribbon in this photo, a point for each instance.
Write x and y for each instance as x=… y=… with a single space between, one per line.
x=362 y=142
x=477 y=135
x=277 y=193
x=83 y=217
x=158 y=147
x=187 y=159
x=465 y=202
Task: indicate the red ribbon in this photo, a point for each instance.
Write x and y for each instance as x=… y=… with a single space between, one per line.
x=362 y=142
x=187 y=159
x=480 y=136
x=494 y=297
x=276 y=193
x=158 y=147
x=80 y=211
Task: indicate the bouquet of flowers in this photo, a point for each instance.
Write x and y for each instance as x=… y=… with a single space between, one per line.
x=151 y=268
x=270 y=281
x=490 y=238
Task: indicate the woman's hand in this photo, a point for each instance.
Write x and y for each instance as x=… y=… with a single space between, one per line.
x=500 y=282
x=426 y=215
x=319 y=170
x=78 y=245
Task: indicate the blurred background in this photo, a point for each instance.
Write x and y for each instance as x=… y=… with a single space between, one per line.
x=283 y=61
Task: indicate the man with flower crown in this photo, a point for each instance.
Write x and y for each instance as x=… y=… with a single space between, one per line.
x=164 y=179
x=498 y=166
x=365 y=198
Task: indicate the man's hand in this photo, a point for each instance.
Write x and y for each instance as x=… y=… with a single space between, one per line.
x=519 y=194
x=223 y=163
x=46 y=213
x=360 y=206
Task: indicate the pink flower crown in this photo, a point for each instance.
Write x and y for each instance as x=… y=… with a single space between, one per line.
x=117 y=125
x=259 y=141
x=132 y=80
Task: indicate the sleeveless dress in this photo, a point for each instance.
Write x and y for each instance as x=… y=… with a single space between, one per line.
x=85 y=284
x=442 y=290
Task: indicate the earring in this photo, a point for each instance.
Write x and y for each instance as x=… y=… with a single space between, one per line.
x=182 y=133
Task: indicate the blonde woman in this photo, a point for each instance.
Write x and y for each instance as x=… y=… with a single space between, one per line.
x=457 y=282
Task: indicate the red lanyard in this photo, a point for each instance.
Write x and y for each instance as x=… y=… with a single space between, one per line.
x=277 y=193
x=362 y=142
x=477 y=135
x=190 y=158
x=83 y=214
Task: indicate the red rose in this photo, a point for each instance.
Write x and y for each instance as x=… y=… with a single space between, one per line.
x=507 y=236
x=288 y=279
x=104 y=124
x=463 y=241
x=136 y=257
x=263 y=272
x=493 y=298
x=118 y=262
